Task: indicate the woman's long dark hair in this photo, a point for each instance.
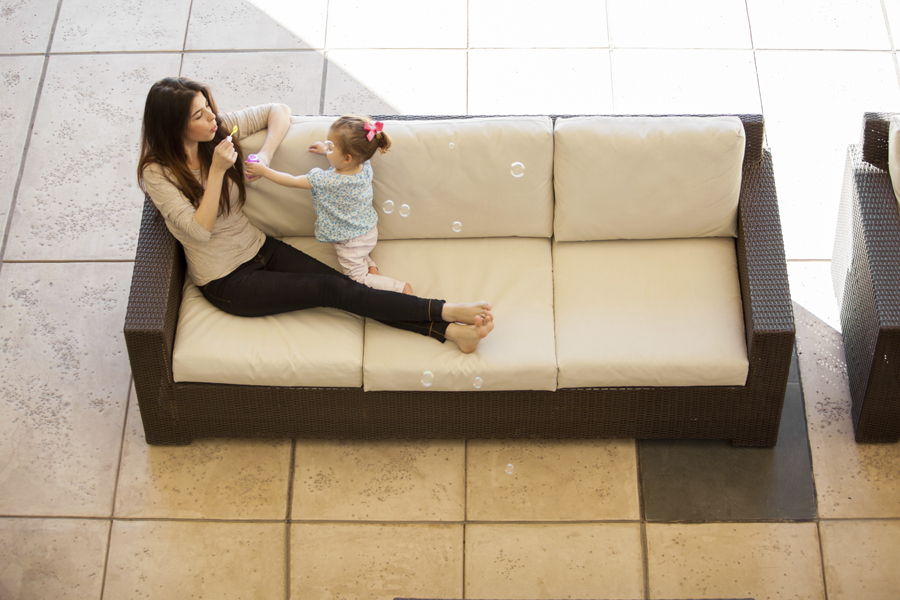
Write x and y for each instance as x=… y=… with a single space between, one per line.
x=166 y=115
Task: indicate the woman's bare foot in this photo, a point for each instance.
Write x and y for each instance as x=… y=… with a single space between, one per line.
x=373 y=270
x=407 y=289
x=466 y=312
x=467 y=337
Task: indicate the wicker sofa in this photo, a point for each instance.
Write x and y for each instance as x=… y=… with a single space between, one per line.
x=866 y=275
x=518 y=194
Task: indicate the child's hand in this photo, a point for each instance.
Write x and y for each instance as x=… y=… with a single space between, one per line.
x=317 y=148
x=253 y=170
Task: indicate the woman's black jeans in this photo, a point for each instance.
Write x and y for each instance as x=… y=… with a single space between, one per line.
x=280 y=279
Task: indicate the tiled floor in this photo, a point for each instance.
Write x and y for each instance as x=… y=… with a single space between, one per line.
x=88 y=510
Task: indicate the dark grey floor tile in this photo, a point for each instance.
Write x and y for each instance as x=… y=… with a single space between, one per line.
x=700 y=480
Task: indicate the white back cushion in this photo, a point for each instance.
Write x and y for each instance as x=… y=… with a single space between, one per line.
x=444 y=171
x=894 y=155
x=647 y=177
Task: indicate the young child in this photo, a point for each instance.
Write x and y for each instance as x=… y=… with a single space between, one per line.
x=342 y=196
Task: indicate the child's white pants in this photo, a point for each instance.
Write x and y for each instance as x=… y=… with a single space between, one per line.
x=353 y=255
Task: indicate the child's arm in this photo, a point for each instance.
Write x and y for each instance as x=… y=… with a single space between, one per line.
x=259 y=169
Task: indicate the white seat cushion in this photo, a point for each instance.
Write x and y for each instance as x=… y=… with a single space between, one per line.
x=309 y=348
x=654 y=178
x=514 y=274
x=649 y=313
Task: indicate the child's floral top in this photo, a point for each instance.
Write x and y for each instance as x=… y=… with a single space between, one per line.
x=343 y=203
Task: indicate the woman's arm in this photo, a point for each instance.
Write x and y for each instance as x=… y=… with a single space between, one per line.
x=223 y=158
x=277 y=127
x=260 y=170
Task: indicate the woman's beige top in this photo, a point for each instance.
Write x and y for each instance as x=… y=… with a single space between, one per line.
x=233 y=239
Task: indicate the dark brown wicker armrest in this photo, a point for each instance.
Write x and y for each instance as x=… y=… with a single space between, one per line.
x=152 y=314
x=874 y=138
x=768 y=313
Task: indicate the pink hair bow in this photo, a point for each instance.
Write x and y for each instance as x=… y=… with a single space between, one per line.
x=373 y=129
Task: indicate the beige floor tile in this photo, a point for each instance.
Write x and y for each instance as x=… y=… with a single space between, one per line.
x=831 y=25
x=861 y=559
x=892 y=11
x=379 y=481
x=209 y=479
x=25 y=26
x=164 y=560
x=678 y=82
x=376 y=562
x=735 y=560
x=52 y=558
x=108 y=25
x=63 y=387
x=259 y=25
x=534 y=24
x=814 y=102
x=554 y=561
x=20 y=75
x=79 y=197
x=237 y=81
x=852 y=480
x=539 y=82
x=388 y=82
x=552 y=480
x=397 y=24
x=695 y=24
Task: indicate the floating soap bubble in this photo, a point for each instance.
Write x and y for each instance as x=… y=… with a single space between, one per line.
x=517 y=169
x=510 y=469
x=388 y=207
x=457 y=226
x=329 y=146
x=404 y=210
x=452 y=145
x=478 y=383
x=427 y=378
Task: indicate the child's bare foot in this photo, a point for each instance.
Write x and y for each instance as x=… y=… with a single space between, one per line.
x=467 y=337
x=374 y=271
x=466 y=312
x=407 y=289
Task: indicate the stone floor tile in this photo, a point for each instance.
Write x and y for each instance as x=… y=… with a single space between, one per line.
x=827 y=25
x=549 y=480
x=260 y=25
x=397 y=24
x=209 y=479
x=183 y=559
x=389 y=82
x=21 y=76
x=735 y=560
x=79 y=198
x=696 y=24
x=554 y=561
x=112 y=26
x=679 y=82
x=852 y=480
x=503 y=82
x=892 y=11
x=25 y=26
x=812 y=289
x=391 y=480
x=63 y=387
x=714 y=481
x=860 y=559
x=814 y=103
x=376 y=562
x=52 y=558
x=535 y=24
x=238 y=80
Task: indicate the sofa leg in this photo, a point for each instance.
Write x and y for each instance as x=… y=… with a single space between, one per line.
x=155 y=439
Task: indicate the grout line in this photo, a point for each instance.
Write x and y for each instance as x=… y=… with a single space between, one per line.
x=645 y=550
x=887 y=25
x=187 y=28
x=822 y=558
x=37 y=101
x=324 y=83
x=465 y=511
x=287 y=520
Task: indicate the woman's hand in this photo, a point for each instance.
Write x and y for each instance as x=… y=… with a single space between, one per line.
x=224 y=156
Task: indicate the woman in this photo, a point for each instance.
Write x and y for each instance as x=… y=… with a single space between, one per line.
x=191 y=168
